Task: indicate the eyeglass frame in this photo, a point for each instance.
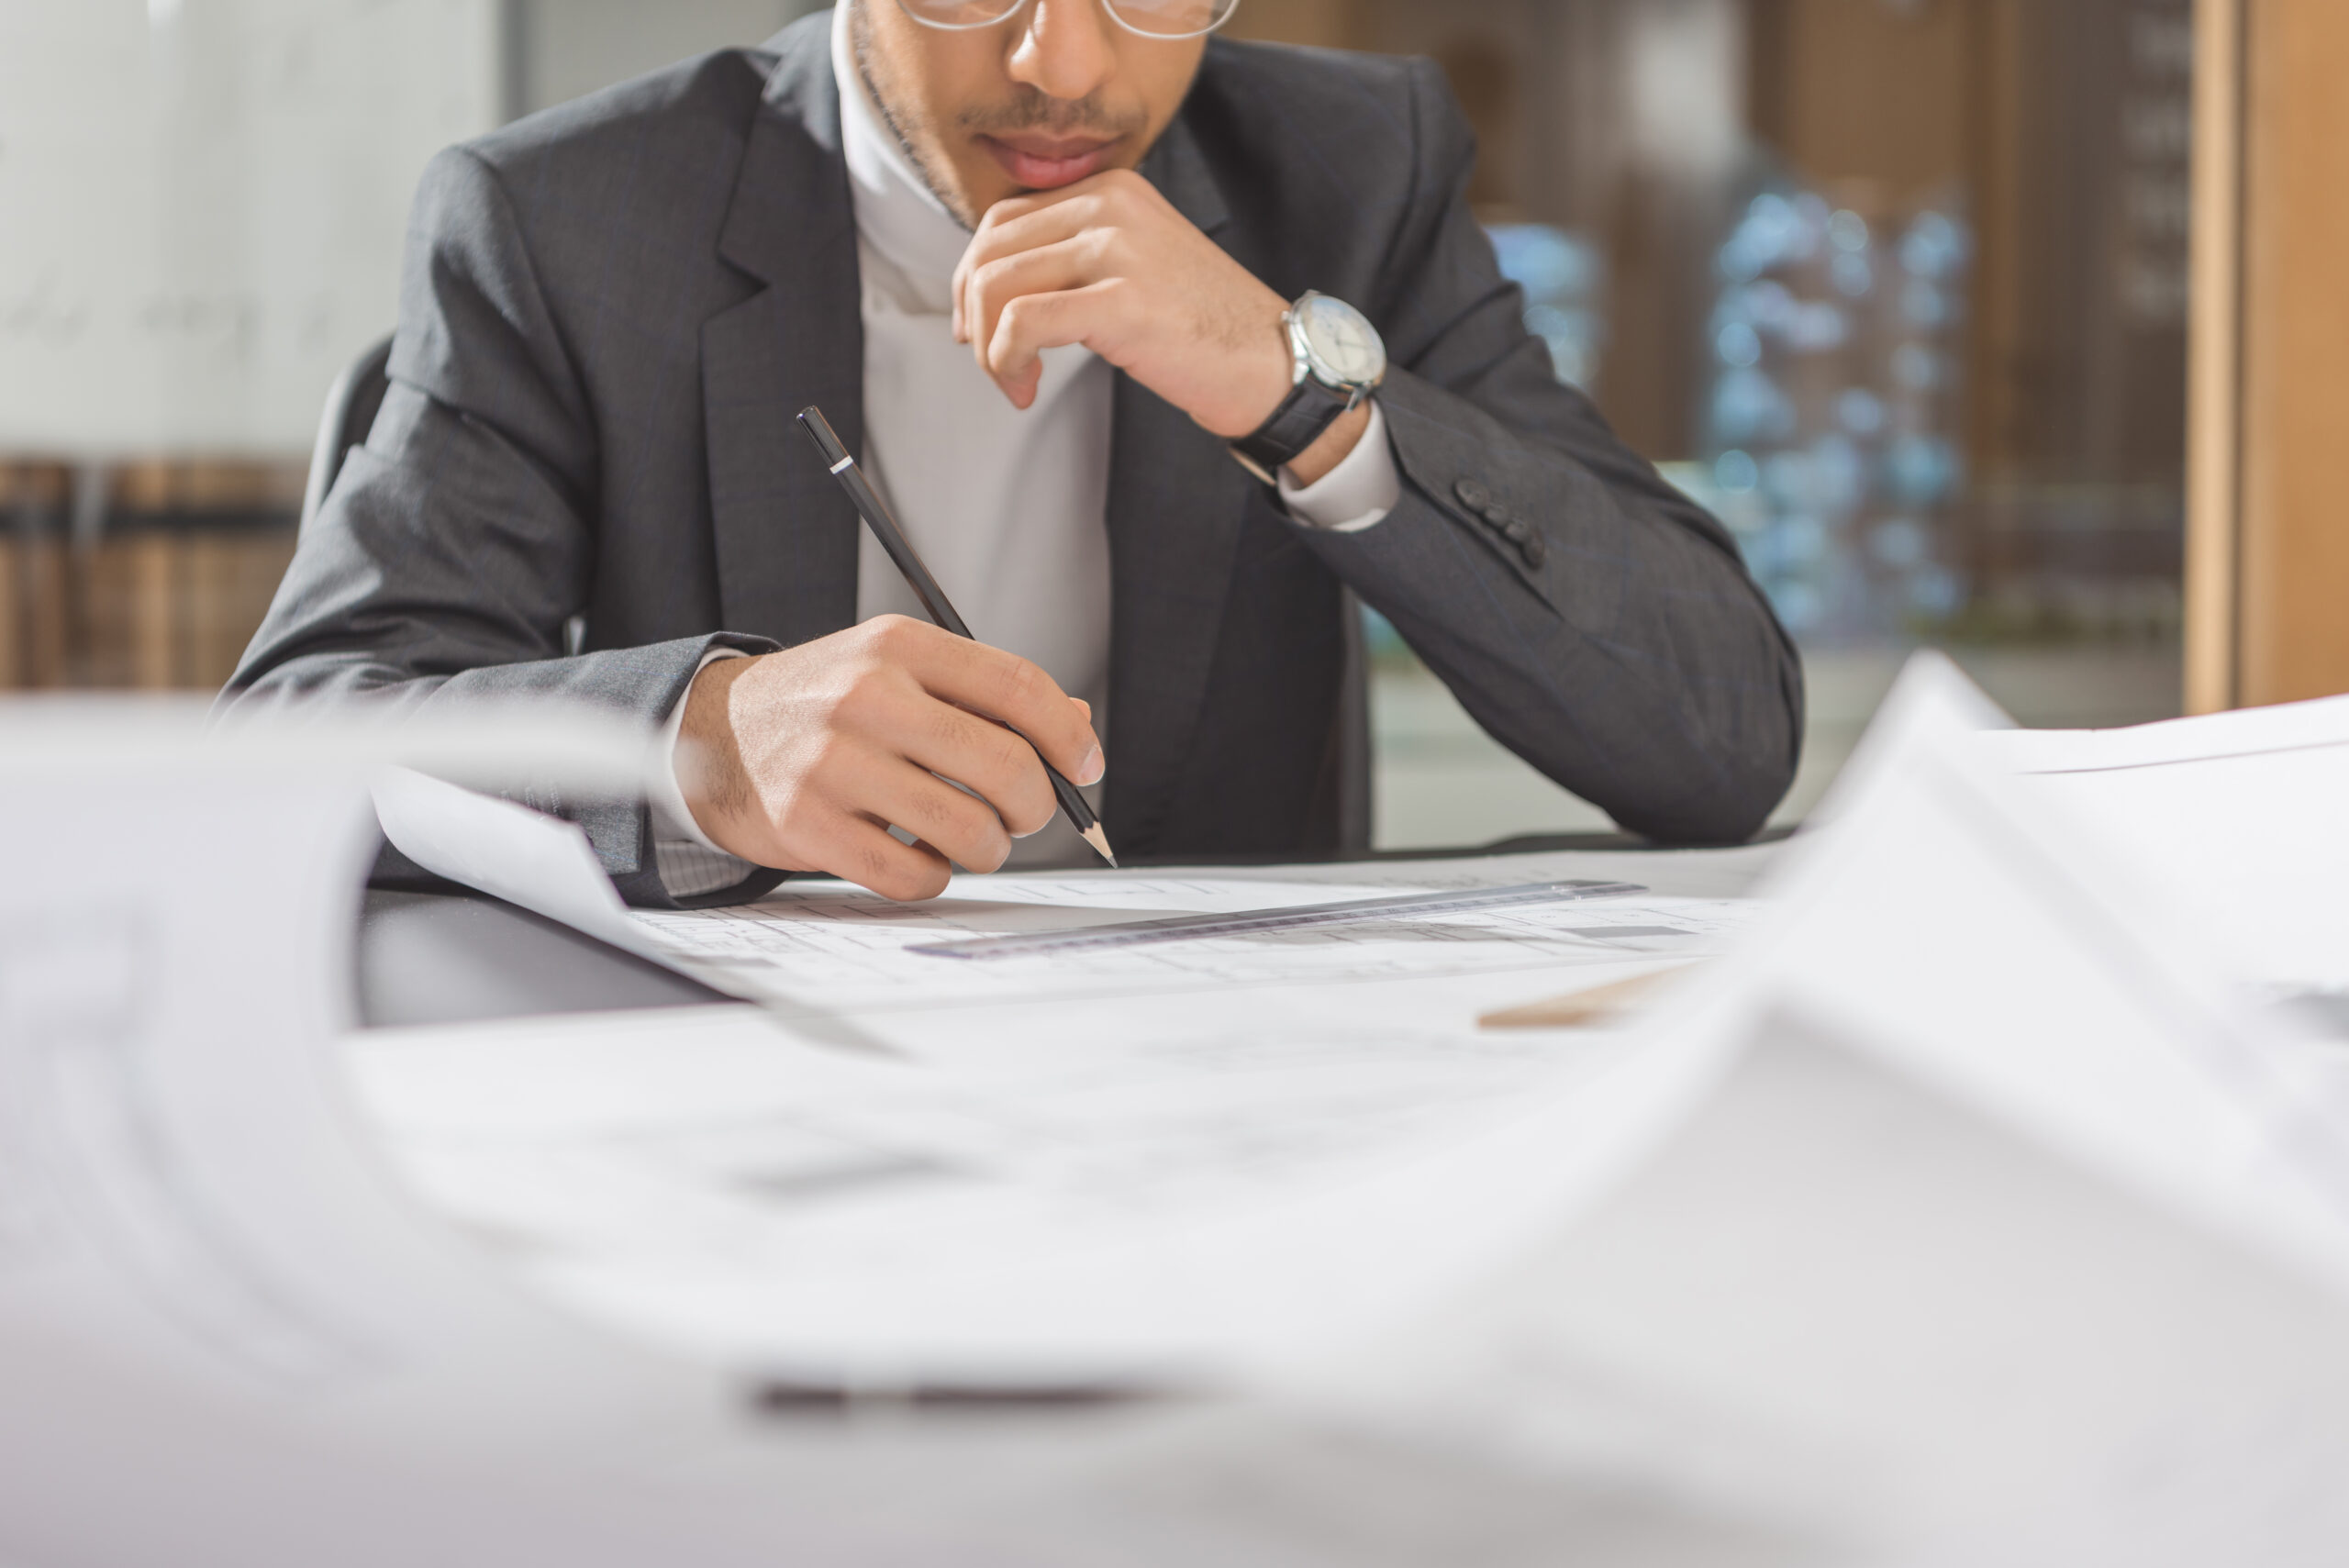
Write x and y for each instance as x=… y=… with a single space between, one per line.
x=1109 y=6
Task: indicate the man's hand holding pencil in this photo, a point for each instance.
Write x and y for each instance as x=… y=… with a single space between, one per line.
x=801 y=760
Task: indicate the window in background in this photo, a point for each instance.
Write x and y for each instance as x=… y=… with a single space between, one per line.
x=1896 y=287
x=203 y=206
x=1832 y=427
x=202 y=202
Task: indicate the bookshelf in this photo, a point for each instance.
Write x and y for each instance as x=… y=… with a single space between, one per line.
x=148 y=576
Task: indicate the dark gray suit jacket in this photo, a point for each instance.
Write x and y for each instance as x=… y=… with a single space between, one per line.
x=612 y=311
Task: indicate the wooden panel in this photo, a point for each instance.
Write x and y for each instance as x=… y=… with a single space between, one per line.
x=12 y=620
x=2294 y=553
x=1860 y=91
x=2270 y=553
x=1328 y=24
x=152 y=603
x=227 y=581
x=44 y=600
x=2214 y=379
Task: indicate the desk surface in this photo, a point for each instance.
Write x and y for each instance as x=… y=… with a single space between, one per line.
x=426 y=958
x=430 y=957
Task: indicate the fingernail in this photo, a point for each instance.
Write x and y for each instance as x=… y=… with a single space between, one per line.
x=1089 y=771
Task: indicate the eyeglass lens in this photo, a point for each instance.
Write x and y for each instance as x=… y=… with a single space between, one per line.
x=1154 y=19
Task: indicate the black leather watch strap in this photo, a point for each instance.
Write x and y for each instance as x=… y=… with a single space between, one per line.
x=1309 y=409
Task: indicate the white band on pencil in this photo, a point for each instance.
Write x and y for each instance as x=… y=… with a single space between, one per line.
x=842 y=463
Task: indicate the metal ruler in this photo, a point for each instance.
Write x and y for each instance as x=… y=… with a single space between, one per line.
x=1199 y=927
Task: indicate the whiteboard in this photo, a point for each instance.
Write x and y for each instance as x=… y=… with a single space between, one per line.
x=202 y=204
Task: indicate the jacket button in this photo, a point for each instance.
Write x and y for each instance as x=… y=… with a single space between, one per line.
x=1517 y=530
x=1535 y=550
x=1473 y=495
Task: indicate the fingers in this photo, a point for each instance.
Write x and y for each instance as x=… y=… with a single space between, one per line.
x=997 y=685
x=959 y=825
x=858 y=848
x=1113 y=192
x=839 y=825
x=1119 y=200
x=998 y=241
x=993 y=760
x=1070 y=263
x=1096 y=315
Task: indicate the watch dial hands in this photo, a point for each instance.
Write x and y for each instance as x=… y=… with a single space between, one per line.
x=1345 y=348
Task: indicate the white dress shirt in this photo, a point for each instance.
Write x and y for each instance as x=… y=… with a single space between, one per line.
x=1005 y=506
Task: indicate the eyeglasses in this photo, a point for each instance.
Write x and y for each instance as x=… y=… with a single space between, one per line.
x=1150 y=18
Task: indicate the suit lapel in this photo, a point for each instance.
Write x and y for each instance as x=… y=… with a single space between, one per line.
x=786 y=537
x=1177 y=502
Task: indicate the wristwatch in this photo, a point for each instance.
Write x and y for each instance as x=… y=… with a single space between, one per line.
x=1339 y=360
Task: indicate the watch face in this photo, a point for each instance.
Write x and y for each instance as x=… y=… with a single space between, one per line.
x=1344 y=346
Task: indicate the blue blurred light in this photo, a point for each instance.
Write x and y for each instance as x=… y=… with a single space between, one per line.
x=1924 y=304
x=1935 y=247
x=1860 y=411
x=1748 y=407
x=1737 y=344
x=1852 y=275
x=1898 y=542
x=1563 y=277
x=1916 y=368
x=1831 y=429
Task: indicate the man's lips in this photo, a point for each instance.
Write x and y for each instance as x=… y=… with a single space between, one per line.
x=1044 y=164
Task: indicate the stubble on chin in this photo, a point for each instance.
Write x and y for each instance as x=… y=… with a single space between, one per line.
x=870 y=68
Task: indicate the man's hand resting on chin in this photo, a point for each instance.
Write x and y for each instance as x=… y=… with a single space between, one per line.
x=1108 y=262
x=800 y=759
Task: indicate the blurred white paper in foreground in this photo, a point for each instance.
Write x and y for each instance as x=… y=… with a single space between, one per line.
x=226 y=1334
x=2000 y=1237
x=1952 y=1216
x=2242 y=818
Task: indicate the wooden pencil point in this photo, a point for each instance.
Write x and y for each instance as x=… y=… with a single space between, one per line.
x=1100 y=842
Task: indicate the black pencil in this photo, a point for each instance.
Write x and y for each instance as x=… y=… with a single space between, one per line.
x=876 y=515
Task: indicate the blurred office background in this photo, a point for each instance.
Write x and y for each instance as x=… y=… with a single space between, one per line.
x=1897 y=287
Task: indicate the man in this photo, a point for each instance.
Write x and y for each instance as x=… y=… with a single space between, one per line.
x=1037 y=261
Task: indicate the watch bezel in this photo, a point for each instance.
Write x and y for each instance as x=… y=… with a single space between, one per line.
x=1310 y=361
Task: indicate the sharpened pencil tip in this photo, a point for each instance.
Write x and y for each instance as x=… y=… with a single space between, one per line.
x=1100 y=842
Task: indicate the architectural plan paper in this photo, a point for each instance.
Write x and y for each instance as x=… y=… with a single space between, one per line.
x=793 y=1189
x=830 y=947
x=1168 y=1187
x=817 y=947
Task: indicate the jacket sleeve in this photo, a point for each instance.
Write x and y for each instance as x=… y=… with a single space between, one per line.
x=457 y=541
x=1589 y=616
